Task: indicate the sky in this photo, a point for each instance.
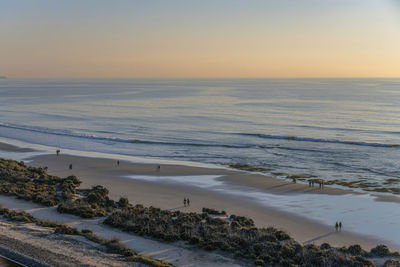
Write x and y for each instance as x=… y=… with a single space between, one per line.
x=207 y=38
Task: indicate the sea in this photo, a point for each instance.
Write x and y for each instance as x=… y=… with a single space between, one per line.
x=341 y=130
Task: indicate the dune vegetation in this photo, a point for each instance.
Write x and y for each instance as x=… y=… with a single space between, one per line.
x=35 y=184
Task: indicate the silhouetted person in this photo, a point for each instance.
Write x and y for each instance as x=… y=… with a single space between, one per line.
x=158 y=168
x=184 y=202
x=336 y=226
x=320 y=184
x=70 y=166
x=58 y=152
x=118 y=162
x=340 y=226
x=188 y=202
x=312 y=183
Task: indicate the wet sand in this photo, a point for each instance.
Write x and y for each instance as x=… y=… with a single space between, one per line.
x=11 y=148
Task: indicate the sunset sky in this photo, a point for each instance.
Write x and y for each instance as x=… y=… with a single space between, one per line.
x=207 y=38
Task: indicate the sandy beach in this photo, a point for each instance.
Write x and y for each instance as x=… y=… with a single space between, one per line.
x=105 y=172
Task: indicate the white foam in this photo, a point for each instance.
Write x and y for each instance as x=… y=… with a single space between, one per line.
x=43 y=150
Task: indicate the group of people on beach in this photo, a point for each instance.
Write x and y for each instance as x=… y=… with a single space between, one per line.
x=319 y=182
x=338 y=226
x=186 y=202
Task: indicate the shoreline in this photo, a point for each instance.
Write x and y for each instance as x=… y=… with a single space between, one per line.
x=253 y=178
x=166 y=195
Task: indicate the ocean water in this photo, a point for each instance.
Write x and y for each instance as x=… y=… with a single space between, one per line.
x=334 y=129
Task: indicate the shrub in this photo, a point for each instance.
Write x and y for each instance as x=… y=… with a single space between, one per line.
x=123 y=202
x=259 y=262
x=81 y=208
x=66 y=230
x=356 y=250
x=87 y=231
x=325 y=246
x=213 y=211
x=28 y=183
x=391 y=263
x=95 y=203
x=380 y=251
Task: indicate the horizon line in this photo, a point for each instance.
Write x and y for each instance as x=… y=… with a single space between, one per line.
x=4 y=77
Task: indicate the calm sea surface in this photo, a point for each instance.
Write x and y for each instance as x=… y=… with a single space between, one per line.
x=343 y=129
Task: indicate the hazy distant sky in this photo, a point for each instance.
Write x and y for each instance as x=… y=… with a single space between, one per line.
x=203 y=38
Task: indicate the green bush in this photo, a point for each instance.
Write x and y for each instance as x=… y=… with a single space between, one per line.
x=123 y=202
x=391 y=263
x=66 y=230
x=94 y=203
x=213 y=211
x=380 y=251
x=34 y=184
x=87 y=231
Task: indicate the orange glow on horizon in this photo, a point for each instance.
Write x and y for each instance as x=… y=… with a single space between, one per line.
x=342 y=43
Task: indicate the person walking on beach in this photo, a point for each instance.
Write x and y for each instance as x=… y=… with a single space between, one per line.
x=184 y=202
x=118 y=162
x=340 y=226
x=336 y=226
x=58 y=152
x=70 y=166
x=188 y=202
x=158 y=168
